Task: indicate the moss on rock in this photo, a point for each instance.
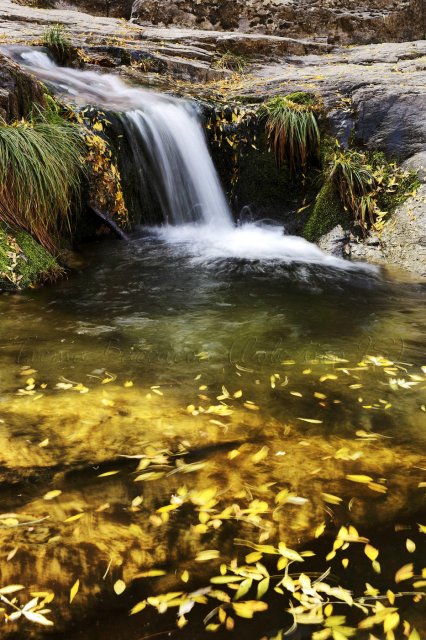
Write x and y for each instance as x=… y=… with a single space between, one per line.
x=326 y=214
x=24 y=262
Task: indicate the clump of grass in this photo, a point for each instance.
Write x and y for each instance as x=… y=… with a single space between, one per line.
x=55 y=39
x=292 y=129
x=355 y=182
x=232 y=62
x=40 y=172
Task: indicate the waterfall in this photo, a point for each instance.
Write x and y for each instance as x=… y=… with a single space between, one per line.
x=185 y=181
x=171 y=155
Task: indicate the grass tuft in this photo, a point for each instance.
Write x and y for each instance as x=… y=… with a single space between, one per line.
x=40 y=173
x=232 y=62
x=55 y=39
x=355 y=182
x=292 y=129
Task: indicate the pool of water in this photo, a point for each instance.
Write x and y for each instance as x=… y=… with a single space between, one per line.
x=162 y=367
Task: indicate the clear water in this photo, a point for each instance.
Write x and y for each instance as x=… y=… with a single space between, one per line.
x=148 y=313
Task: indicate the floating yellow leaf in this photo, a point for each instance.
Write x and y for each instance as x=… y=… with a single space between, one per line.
x=75 y=517
x=50 y=495
x=411 y=545
x=140 y=606
x=404 y=573
x=359 y=478
x=225 y=579
x=371 y=552
x=153 y=573
x=260 y=455
x=108 y=473
x=11 y=588
x=74 y=590
x=185 y=576
x=119 y=587
x=251 y=406
x=331 y=499
x=311 y=420
x=208 y=554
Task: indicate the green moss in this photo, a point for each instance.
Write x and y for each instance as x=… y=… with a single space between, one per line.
x=326 y=214
x=24 y=262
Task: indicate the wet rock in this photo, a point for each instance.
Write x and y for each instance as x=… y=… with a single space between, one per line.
x=19 y=91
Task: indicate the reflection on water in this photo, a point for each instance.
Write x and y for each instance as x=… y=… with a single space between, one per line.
x=264 y=383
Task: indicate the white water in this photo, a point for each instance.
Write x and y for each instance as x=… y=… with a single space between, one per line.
x=198 y=219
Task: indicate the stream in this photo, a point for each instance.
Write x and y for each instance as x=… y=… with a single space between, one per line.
x=201 y=389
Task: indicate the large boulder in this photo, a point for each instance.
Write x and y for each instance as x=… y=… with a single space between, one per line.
x=347 y=21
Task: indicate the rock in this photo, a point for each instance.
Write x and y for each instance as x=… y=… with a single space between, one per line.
x=19 y=91
x=402 y=242
x=113 y=8
x=334 y=241
x=404 y=239
x=336 y=21
x=417 y=163
x=380 y=111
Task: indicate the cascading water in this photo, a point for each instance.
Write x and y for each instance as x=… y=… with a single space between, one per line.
x=167 y=132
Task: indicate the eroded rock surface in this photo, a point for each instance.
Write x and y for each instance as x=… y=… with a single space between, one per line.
x=348 y=21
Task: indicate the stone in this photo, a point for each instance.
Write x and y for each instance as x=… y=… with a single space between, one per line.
x=334 y=241
x=344 y=21
x=19 y=91
x=417 y=163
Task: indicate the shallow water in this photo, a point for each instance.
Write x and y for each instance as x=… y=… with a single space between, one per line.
x=168 y=348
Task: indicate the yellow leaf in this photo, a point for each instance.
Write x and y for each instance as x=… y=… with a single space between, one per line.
x=254 y=556
x=153 y=573
x=411 y=545
x=404 y=573
x=11 y=588
x=391 y=622
x=208 y=554
x=185 y=576
x=320 y=530
x=311 y=420
x=119 y=587
x=331 y=499
x=260 y=455
x=140 y=606
x=108 y=473
x=52 y=494
x=371 y=552
x=74 y=590
x=359 y=478
x=75 y=517
x=233 y=454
